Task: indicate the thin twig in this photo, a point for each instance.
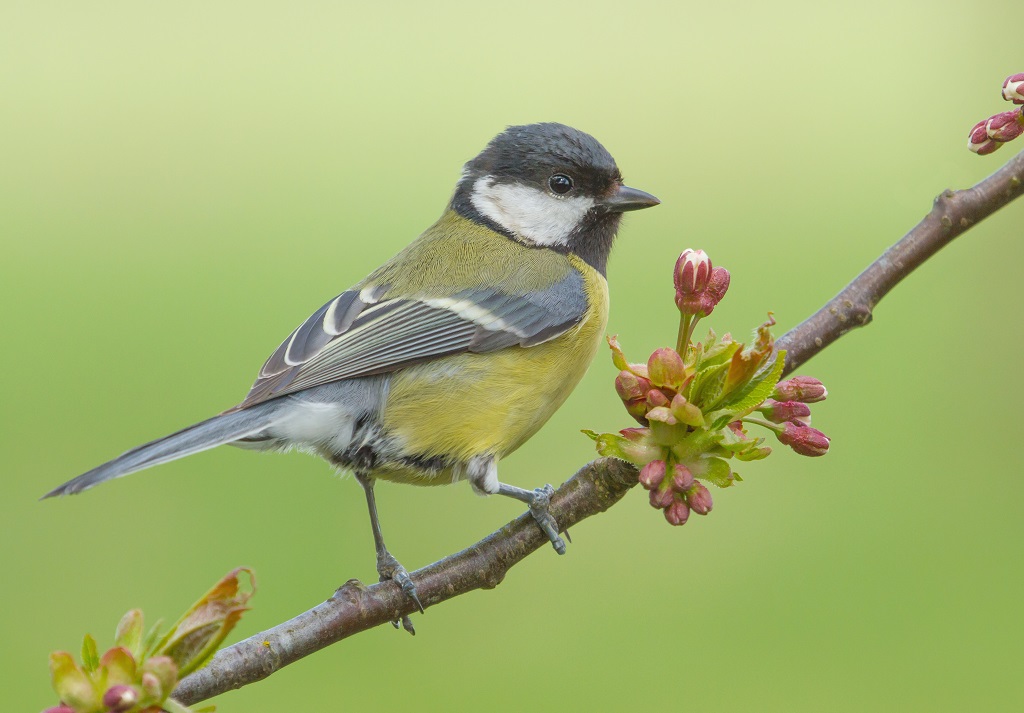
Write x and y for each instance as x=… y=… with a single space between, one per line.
x=953 y=213
x=599 y=484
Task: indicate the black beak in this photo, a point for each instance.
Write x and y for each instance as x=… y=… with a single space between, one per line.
x=625 y=198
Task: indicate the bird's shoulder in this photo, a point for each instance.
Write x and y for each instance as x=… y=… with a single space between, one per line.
x=456 y=254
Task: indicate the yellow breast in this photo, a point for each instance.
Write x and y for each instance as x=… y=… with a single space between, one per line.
x=490 y=404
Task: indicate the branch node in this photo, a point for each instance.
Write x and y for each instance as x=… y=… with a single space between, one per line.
x=351 y=591
x=861 y=314
x=490 y=580
x=944 y=197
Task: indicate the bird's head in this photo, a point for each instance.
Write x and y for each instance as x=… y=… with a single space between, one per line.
x=549 y=185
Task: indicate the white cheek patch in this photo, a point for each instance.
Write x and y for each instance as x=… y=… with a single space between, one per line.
x=529 y=213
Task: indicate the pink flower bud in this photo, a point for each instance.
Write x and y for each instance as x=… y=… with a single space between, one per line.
x=718 y=285
x=652 y=474
x=151 y=685
x=800 y=388
x=60 y=709
x=678 y=512
x=979 y=141
x=629 y=386
x=682 y=478
x=1013 y=89
x=632 y=389
x=119 y=699
x=666 y=368
x=699 y=286
x=978 y=132
x=804 y=440
x=782 y=411
x=699 y=499
x=638 y=436
x=1005 y=126
x=693 y=268
x=656 y=399
x=661 y=498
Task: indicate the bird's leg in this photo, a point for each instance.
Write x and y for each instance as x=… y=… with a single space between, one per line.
x=483 y=476
x=387 y=566
x=538 y=500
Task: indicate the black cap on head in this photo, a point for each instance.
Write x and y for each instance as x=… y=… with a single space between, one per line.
x=565 y=164
x=532 y=153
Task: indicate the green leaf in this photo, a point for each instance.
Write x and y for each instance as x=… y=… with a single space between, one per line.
x=717 y=472
x=618 y=357
x=192 y=641
x=687 y=413
x=150 y=642
x=592 y=435
x=719 y=354
x=721 y=420
x=710 y=343
x=707 y=385
x=732 y=442
x=755 y=453
x=90 y=656
x=639 y=451
x=120 y=666
x=72 y=685
x=129 y=632
x=760 y=387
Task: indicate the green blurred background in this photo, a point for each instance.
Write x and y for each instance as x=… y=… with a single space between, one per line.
x=182 y=183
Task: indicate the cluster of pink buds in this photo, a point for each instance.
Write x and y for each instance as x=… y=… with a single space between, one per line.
x=138 y=674
x=694 y=402
x=993 y=132
x=678 y=495
x=790 y=415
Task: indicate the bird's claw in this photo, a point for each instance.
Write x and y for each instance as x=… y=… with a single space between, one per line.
x=389 y=569
x=539 y=509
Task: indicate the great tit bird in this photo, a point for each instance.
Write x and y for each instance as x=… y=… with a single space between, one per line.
x=452 y=354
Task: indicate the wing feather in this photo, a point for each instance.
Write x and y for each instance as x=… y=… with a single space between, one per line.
x=349 y=337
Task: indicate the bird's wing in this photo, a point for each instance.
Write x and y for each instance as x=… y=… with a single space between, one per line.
x=357 y=334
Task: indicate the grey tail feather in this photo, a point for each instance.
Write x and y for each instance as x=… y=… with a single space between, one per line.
x=198 y=437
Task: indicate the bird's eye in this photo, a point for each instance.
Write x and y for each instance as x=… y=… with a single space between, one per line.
x=560 y=184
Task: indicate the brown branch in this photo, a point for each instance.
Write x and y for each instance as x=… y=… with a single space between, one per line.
x=953 y=213
x=355 y=607
x=598 y=485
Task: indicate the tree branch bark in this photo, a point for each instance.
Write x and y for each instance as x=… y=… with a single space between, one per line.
x=599 y=484
x=355 y=607
x=953 y=213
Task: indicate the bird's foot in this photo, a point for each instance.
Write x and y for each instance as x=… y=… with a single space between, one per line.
x=539 y=505
x=390 y=569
